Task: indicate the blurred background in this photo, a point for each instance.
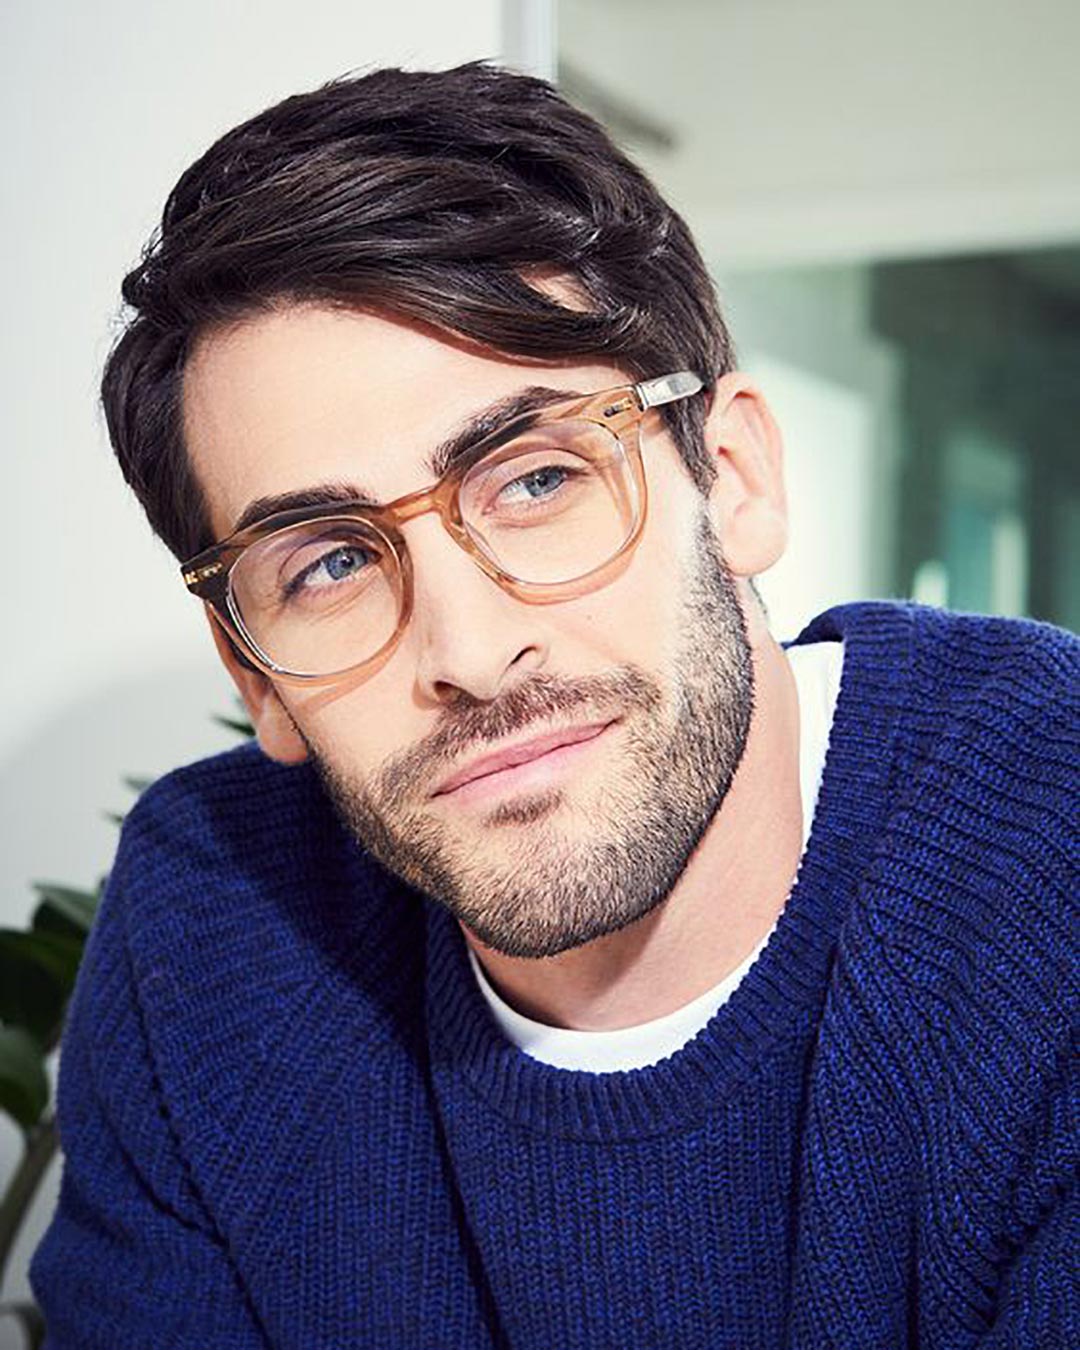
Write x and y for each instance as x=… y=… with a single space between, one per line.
x=889 y=199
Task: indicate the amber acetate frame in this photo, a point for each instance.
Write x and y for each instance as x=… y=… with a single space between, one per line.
x=619 y=411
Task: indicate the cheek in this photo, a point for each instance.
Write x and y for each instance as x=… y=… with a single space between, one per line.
x=355 y=730
x=639 y=612
x=632 y=621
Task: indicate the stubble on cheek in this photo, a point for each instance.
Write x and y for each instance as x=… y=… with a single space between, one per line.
x=542 y=872
x=390 y=810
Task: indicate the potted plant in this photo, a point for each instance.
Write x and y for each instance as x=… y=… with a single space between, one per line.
x=37 y=974
x=38 y=967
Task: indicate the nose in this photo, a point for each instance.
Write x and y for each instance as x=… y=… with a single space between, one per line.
x=470 y=636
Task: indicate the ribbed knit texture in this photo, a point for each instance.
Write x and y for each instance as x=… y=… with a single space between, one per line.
x=289 y=1119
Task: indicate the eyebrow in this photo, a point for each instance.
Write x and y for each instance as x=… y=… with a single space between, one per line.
x=474 y=429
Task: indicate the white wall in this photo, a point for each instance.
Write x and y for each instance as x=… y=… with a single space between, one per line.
x=845 y=129
x=106 y=667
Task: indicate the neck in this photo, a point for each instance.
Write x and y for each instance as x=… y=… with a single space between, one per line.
x=728 y=897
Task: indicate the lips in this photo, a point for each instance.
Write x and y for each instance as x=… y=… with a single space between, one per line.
x=519 y=754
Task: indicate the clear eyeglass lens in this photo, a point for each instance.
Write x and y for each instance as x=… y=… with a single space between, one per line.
x=552 y=505
x=549 y=507
x=319 y=597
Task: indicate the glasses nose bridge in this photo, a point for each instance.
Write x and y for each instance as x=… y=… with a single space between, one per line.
x=440 y=498
x=437 y=498
x=414 y=504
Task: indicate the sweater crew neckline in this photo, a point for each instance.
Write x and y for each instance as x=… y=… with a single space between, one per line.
x=782 y=992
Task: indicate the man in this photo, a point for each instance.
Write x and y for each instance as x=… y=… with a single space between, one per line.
x=539 y=983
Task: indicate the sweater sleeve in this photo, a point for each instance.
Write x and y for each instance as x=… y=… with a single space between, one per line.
x=131 y=1258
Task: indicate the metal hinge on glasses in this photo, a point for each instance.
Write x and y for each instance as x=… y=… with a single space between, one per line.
x=668 y=388
x=651 y=393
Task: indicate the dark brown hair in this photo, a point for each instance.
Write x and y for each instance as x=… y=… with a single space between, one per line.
x=435 y=196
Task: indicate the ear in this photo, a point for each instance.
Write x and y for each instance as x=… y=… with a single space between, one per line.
x=274 y=728
x=747 y=501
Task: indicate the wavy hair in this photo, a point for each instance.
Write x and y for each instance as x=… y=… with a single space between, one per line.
x=436 y=196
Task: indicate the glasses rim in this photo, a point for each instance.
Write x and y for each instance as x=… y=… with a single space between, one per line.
x=619 y=410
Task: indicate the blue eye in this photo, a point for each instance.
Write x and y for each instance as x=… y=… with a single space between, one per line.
x=343 y=562
x=338 y=565
x=539 y=483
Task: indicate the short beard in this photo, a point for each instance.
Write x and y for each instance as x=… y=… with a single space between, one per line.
x=549 y=892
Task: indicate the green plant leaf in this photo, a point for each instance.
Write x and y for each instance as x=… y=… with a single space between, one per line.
x=137 y=785
x=24 y=1087
x=37 y=973
x=64 y=909
x=57 y=953
x=31 y=997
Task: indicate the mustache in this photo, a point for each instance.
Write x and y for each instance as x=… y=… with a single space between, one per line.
x=469 y=722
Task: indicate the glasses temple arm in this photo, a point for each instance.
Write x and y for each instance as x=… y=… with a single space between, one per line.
x=668 y=388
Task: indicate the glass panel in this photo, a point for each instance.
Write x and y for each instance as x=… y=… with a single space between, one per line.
x=929 y=410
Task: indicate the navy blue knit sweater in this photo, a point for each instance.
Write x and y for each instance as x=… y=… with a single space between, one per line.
x=290 y=1121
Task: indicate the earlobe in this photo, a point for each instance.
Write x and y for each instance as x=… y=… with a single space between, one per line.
x=747 y=501
x=276 y=732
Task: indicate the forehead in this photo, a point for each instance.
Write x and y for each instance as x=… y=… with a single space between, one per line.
x=308 y=395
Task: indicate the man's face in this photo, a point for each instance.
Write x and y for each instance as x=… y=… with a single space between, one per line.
x=641 y=690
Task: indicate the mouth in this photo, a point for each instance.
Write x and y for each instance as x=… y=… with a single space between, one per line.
x=533 y=763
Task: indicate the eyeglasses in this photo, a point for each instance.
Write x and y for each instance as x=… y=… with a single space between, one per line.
x=548 y=506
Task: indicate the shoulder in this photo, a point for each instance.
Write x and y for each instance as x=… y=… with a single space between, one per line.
x=1003 y=671
x=980 y=823
x=958 y=961
x=235 y=904
x=965 y=935
x=985 y=708
x=217 y=860
x=990 y=740
x=239 y=833
x=954 y=654
x=222 y=806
